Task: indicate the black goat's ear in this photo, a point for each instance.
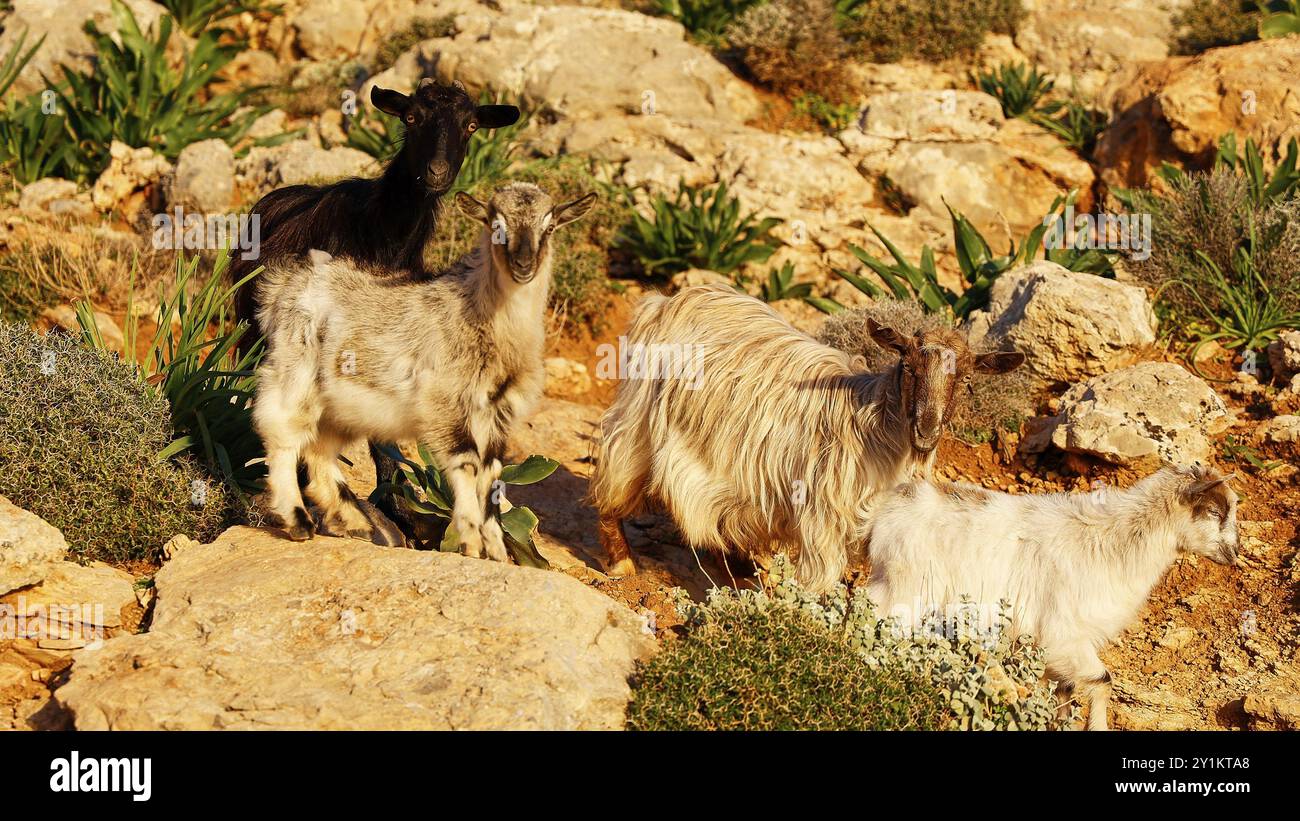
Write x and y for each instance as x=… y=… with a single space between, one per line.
x=887 y=337
x=999 y=361
x=496 y=116
x=570 y=211
x=471 y=207
x=389 y=101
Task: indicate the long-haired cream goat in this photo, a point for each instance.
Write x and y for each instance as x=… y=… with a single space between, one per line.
x=453 y=362
x=767 y=439
x=1076 y=568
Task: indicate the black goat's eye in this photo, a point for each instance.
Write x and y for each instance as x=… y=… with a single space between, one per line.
x=410 y=118
x=472 y=127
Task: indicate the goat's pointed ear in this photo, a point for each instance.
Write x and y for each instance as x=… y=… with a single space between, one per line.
x=887 y=337
x=999 y=361
x=389 y=101
x=471 y=207
x=570 y=211
x=496 y=116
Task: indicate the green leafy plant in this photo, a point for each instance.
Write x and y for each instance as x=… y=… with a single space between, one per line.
x=80 y=437
x=1242 y=309
x=1279 y=18
x=1283 y=184
x=834 y=117
x=698 y=228
x=1017 y=87
x=199 y=370
x=781 y=659
x=780 y=285
x=704 y=19
x=32 y=142
x=376 y=133
x=134 y=96
x=1235 y=450
x=1075 y=123
x=979 y=265
x=13 y=63
x=194 y=16
x=422 y=489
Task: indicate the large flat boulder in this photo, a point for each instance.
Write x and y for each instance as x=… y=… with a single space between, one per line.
x=253 y=631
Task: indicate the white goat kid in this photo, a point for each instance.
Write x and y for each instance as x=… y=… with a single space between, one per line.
x=1076 y=568
x=453 y=362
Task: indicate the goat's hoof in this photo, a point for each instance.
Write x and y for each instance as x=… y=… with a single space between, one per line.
x=621 y=568
x=302 y=528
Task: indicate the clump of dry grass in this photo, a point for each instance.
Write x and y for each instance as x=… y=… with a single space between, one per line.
x=985 y=404
x=50 y=263
x=793 y=46
x=934 y=30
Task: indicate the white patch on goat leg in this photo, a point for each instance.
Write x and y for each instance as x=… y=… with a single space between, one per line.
x=467 y=507
x=493 y=539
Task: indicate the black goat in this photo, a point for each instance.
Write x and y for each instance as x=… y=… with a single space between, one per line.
x=382 y=223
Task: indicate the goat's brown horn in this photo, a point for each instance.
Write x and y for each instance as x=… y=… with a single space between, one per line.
x=425 y=82
x=459 y=84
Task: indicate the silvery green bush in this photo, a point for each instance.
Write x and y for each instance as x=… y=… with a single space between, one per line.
x=984 y=679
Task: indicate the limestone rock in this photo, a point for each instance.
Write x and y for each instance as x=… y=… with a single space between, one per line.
x=1273 y=710
x=1140 y=415
x=585 y=62
x=566 y=378
x=1283 y=355
x=28 y=545
x=205 y=177
x=254 y=631
x=129 y=171
x=266 y=168
x=1069 y=325
x=53 y=196
x=1176 y=110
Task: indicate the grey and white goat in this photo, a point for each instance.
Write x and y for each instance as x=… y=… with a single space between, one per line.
x=1076 y=567
x=453 y=362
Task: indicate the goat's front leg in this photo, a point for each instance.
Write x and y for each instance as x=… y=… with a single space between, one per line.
x=491 y=490
x=464 y=471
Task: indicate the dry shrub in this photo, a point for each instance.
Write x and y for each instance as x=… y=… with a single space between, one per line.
x=793 y=47
x=985 y=404
x=1205 y=24
x=1214 y=213
x=886 y=32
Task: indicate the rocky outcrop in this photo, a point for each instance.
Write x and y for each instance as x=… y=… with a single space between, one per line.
x=1070 y=326
x=254 y=631
x=129 y=180
x=1137 y=416
x=1283 y=356
x=263 y=170
x=1273 y=710
x=1085 y=41
x=956 y=147
x=584 y=62
x=1176 y=110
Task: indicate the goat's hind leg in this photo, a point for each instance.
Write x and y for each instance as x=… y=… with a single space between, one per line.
x=340 y=513
x=1089 y=678
x=284 y=440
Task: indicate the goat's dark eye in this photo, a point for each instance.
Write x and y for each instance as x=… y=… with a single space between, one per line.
x=410 y=118
x=472 y=127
